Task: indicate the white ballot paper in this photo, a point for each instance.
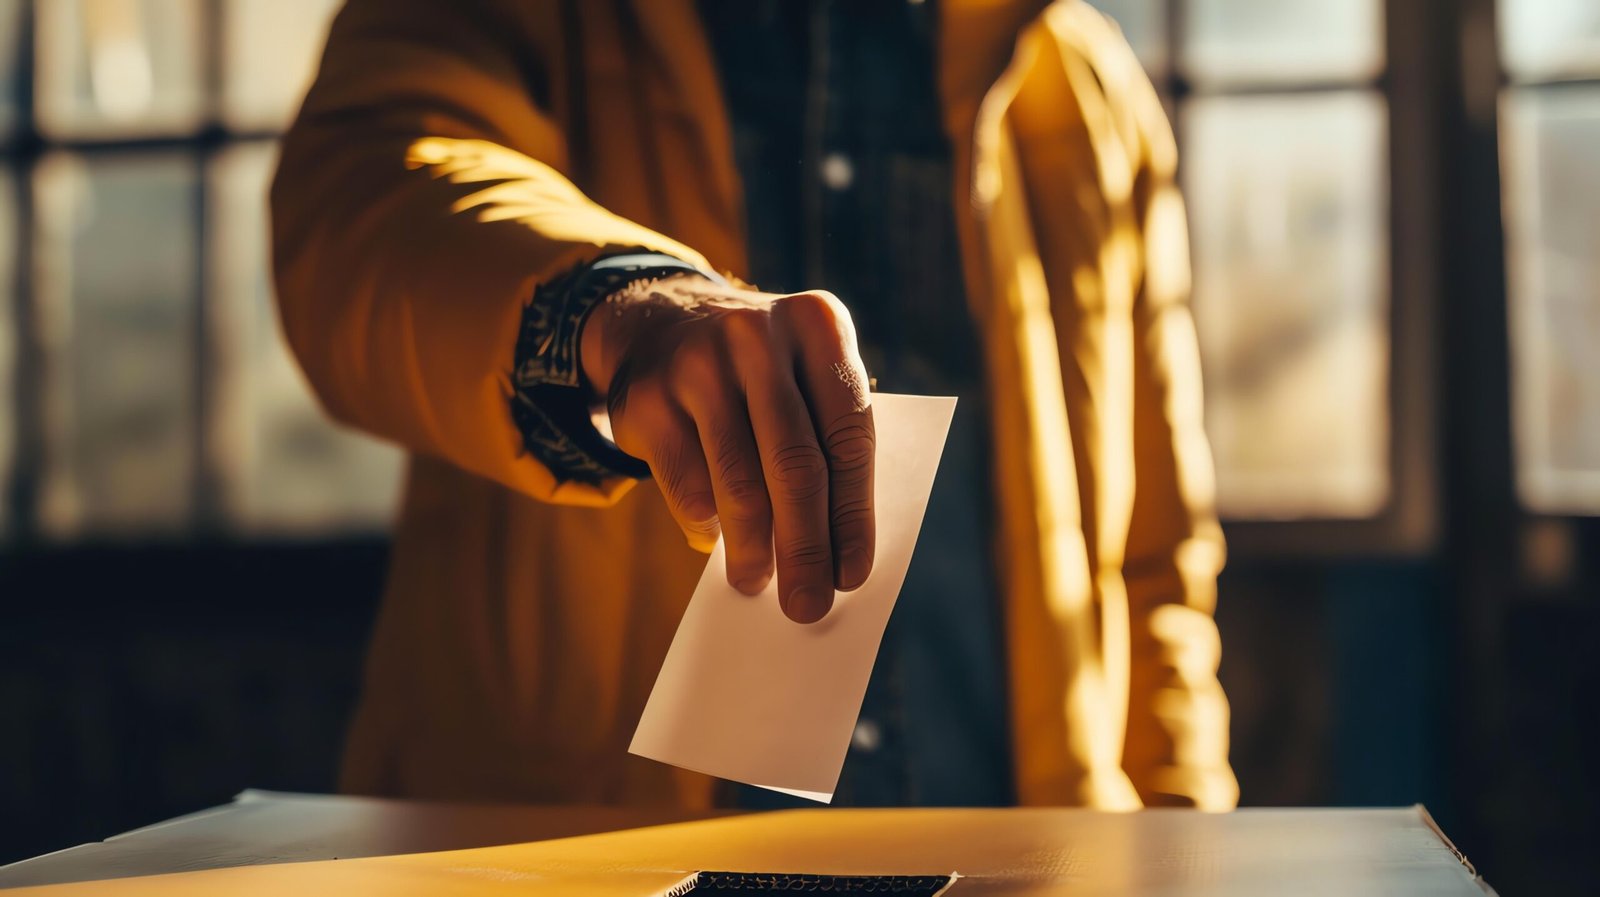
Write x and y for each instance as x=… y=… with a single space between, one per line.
x=749 y=695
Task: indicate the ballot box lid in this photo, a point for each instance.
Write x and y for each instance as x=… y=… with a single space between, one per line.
x=405 y=848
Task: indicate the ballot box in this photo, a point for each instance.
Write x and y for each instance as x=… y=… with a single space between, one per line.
x=302 y=845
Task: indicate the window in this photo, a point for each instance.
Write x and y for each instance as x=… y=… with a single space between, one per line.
x=1550 y=154
x=1285 y=166
x=118 y=68
x=115 y=281
x=1279 y=43
x=1288 y=209
x=158 y=398
x=270 y=51
x=284 y=468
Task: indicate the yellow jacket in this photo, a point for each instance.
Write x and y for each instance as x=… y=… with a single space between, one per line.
x=429 y=183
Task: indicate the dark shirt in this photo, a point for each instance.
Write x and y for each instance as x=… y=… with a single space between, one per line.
x=847 y=185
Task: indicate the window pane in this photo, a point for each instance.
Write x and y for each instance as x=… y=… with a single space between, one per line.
x=1144 y=24
x=115 y=68
x=1552 y=215
x=285 y=466
x=1550 y=38
x=8 y=343
x=115 y=291
x=1278 y=41
x=11 y=37
x=270 y=53
x=1287 y=202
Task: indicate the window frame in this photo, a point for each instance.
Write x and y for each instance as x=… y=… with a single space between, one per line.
x=1408 y=523
x=21 y=152
x=1498 y=97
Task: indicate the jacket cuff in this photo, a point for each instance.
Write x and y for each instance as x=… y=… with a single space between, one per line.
x=550 y=397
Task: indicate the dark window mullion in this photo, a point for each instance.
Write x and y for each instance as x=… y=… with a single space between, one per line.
x=209 y=136
x=208 y=479
x=28 y=359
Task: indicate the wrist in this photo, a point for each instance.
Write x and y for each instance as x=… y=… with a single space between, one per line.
x=552 y=402
x=603 y=337
x=592 y=357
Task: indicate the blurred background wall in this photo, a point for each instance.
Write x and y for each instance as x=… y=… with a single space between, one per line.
x=1396 y=225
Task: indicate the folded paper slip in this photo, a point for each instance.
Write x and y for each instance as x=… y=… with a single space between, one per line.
x=749 y=695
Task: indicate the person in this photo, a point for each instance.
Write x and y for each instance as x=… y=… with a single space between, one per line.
x=620 y=273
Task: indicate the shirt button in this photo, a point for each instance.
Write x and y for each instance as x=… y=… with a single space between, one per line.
x=837 y=172
x=866 y=736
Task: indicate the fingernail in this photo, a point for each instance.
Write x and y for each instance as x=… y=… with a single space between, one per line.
x=751 y=585
x=854 y=565
x=808 y=604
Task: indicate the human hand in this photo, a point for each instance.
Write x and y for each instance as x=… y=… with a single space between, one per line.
x=753 y=413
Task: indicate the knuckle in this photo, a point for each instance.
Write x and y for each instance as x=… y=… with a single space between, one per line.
x=850 y=516
x=821 y=300
x=801 y=472
x=730 y=450
x=744 y=489
x=696 y=364
x=805 y=553
x=851 y=443
x=639 y=427
x=667 y=470
x=697 y=509
x=817 y=309
x=672 y=472
x=746 y=501
x=645 y=398
x=746 y=326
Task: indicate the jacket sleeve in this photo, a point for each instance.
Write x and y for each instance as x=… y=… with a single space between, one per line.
x=418 y=201
x=1177 y=741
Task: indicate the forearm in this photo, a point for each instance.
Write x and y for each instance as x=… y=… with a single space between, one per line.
x=413 y=218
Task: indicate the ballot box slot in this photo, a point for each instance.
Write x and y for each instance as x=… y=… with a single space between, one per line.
x=754 y=884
